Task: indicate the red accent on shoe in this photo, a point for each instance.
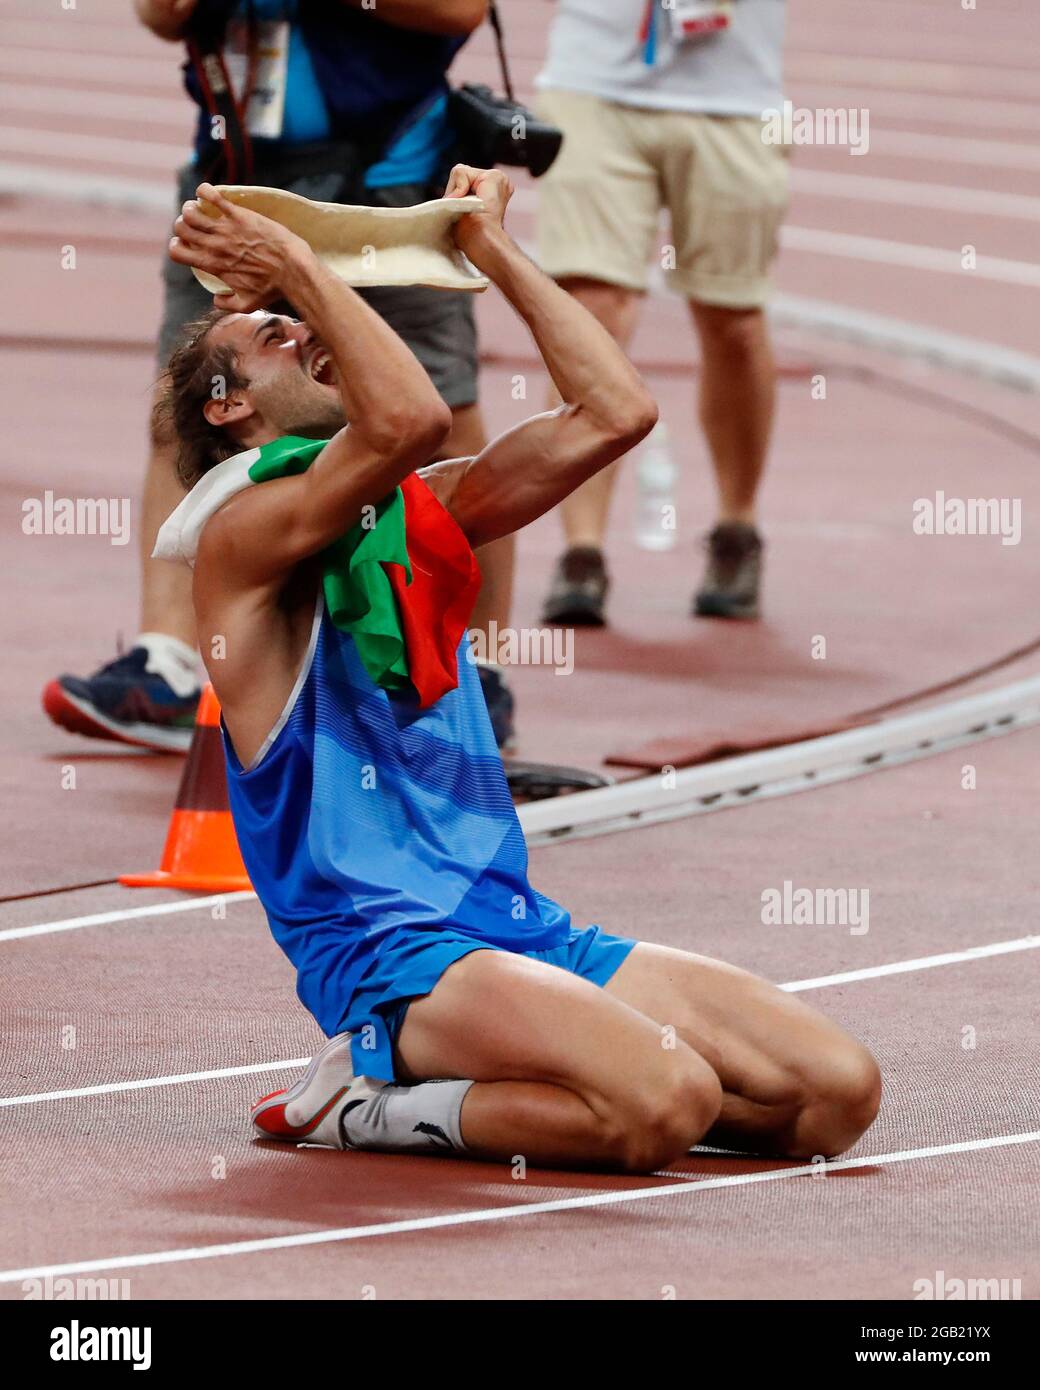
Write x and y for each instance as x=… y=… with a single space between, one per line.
x=273 y=1121
x=69 y=716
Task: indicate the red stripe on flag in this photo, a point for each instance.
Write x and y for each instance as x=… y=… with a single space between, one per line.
x=436 y=607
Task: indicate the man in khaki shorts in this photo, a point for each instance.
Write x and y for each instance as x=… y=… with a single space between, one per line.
x=661 y=106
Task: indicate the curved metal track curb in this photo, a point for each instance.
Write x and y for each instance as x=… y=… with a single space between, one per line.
x=673 y=795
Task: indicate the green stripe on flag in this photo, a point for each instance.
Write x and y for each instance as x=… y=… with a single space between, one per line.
x=358 y=593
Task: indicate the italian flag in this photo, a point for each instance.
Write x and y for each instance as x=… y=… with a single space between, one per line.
x=403 y=587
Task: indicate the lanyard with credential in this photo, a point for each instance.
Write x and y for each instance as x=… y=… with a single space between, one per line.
x=648 y=32
x=206 y=54
x=690 y=19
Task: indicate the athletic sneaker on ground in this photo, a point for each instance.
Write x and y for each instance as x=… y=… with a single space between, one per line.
x=125 y=701
x=732 y=578
x=331 y=1107
x=311 y=1111
x=578 y=593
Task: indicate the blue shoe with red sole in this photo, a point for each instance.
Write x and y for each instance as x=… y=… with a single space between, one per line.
x=124 y=702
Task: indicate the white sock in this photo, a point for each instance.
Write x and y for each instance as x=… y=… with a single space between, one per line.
x=408 y=1119
x=174 y=660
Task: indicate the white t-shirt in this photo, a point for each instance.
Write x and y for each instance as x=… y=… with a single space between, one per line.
x=596 y=46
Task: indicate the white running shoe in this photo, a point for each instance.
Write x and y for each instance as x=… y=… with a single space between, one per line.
x=310 y=1111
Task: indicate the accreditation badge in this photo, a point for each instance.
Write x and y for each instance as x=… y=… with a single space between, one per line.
x=698 y=19
x=266 y=108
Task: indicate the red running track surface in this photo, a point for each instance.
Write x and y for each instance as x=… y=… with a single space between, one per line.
x=132 y=1172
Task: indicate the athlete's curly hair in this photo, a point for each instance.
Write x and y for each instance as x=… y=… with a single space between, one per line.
x=198 y=370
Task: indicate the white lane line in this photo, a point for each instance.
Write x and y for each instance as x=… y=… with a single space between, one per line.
x=941 y=110
x=172 y=112
x=679 y=1186
x=97 y=37
x=125 y=914
x=92 y=190
x=879 y=250
x=146 y=1083
x=50 y=66
x=955 y=149
x=907 y=193
x=903 y=967
x=69 y=145
x=920 y=75
x=900 y=337
x=949 y=46
x=869 y=972
x=857 y=185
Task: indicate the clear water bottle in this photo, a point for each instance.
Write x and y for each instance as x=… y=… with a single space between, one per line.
x=656 y=477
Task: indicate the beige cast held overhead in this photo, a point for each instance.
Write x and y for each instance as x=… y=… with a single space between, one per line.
x=366 y=246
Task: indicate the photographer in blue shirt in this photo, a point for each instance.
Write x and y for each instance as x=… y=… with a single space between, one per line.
x=345 y=105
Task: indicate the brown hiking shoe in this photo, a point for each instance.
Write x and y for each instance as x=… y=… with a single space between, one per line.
x=578 y=592
x=731 y=580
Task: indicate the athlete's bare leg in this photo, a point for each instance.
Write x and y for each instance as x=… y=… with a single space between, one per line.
x=794 y=1083
x=566 y=1078
x=566 y=1075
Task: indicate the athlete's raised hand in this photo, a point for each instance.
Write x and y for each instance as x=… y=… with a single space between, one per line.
x=249 y=252
x=490 y=185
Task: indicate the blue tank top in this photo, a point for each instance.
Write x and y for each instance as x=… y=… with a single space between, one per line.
x=362 y=817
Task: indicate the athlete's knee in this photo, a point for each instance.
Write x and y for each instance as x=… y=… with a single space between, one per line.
x=671 y=1114
x=841 y=1103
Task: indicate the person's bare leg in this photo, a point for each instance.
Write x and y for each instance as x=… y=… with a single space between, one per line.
x=165 y=589
x=584 y=513
x=565 y=1075
x=794 y=1083
x=737 y=400
x=496 y=560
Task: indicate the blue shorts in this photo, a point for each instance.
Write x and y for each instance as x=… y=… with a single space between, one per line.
x=410 y=966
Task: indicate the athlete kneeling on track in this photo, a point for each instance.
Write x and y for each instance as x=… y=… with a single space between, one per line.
x=465 y=1012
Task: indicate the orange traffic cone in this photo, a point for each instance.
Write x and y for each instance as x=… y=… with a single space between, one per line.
x=201 y=850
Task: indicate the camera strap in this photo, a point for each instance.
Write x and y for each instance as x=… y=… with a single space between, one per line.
x=499 y=130
x=496 y=24
x=206 y=55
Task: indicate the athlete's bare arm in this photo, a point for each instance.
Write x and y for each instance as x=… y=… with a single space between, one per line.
x=251 y=549
x=397 y=419
x=606 y=407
